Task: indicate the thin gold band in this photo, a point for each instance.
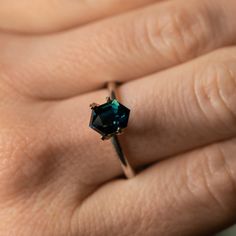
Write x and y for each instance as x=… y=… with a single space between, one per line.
x=127 y=169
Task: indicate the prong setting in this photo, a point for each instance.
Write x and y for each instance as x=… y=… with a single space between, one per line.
x=93 y=105
x=119 y=131
x=108 y=99
x=109 y=119
x=106 y=137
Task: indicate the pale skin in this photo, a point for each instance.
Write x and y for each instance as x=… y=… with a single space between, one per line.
x=177 y=62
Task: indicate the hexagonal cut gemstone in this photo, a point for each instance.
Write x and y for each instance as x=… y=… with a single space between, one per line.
x=109 y=117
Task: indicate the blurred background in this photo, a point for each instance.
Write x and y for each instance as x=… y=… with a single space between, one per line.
x=229 y=232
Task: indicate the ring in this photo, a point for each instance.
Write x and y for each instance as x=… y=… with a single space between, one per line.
x=109 y=120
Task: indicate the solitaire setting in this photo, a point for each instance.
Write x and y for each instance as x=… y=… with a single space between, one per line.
x=109 y=120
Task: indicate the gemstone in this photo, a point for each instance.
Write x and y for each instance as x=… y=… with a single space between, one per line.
x=109 y=117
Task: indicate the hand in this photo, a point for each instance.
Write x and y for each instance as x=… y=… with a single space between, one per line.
x=43 y=16
x=58 y=177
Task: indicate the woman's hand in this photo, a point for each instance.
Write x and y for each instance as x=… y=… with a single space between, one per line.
x=58 y=178
x=44 y=16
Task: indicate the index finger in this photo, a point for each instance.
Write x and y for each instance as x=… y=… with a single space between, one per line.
x=46 y=16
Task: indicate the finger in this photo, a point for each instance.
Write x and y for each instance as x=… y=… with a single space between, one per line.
x=123 y=48
x=48 y=16
x=172 y=112
x=192 y=194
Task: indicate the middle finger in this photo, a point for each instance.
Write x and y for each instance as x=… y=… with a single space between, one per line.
x=122 y=48
x=43 y=16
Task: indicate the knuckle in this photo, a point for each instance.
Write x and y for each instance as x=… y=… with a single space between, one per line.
x=175 y=32
x=215 y=92
x=218 y=177
x=211 y=180
x=20 y=159
x=11 y=143
x=13 y=147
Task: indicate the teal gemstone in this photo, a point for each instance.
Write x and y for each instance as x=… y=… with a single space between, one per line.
x=109 y=117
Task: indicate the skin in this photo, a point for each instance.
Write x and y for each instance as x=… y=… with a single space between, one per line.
x=178 y=67
x=43 y=16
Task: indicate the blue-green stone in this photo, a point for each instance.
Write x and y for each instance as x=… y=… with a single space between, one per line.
x=109 y=117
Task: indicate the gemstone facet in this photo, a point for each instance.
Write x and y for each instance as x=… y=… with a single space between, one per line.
x=109 y=118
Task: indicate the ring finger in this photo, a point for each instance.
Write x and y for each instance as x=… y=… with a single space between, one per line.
x=201 y=112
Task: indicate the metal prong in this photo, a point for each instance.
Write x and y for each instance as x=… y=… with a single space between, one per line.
x=119 y=131
x=105 y=137
x=108 y=99
x=93 y=105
